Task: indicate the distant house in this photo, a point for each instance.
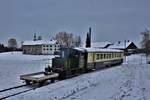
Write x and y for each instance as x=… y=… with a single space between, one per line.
x=101 y=44
x=40 y=47
x=128 y=47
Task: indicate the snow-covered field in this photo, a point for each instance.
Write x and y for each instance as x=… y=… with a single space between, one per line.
x=129 y=81
x=14 y=64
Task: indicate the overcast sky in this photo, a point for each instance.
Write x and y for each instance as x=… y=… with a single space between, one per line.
x=111 y=20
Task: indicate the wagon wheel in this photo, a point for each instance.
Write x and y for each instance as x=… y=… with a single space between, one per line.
x=27 y=82
x=41 y=83
x=52 y=80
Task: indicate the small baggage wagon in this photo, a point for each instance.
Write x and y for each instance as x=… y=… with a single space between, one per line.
x=39 y=77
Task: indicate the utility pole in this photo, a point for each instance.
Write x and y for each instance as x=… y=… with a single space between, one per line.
x=125 y=49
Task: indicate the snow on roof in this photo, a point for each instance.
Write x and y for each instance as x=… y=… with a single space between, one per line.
x=39 y=42
x=120 y=45
x=100 y=44
x=82 y=49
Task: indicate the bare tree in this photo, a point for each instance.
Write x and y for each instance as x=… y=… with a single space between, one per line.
x=67 y=39
x=145 y=38
x=39 y=37
x=12 y=43
x=77 y=41
x=146 y=42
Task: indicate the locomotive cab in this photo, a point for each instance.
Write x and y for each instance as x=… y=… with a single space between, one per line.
x=70 y=63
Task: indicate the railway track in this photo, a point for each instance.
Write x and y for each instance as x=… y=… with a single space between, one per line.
x=3 y=90
x=14 y=91
x=20 y=89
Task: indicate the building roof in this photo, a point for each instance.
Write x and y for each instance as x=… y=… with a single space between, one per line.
x=39 y=42
x=83 y=49
x=120 y=45
x=100 y=44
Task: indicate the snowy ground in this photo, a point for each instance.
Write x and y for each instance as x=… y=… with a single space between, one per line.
x=14 y=64
x=129 y=81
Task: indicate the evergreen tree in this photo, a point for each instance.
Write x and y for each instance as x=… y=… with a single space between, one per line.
x=88 y=39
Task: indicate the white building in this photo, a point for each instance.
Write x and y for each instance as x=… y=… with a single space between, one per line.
x=40 y=47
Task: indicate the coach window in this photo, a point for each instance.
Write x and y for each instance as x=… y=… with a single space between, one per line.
x=101 y=56
x=120 y=54
x=109 y=55
x=97 y=56
x=104 y=56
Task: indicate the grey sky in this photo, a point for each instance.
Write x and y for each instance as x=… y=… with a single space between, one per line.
x=111 y=20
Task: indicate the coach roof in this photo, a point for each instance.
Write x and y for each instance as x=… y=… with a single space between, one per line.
x=82 y=49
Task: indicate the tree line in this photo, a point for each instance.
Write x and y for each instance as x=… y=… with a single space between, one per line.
x=12 y=46
x=8 y=49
